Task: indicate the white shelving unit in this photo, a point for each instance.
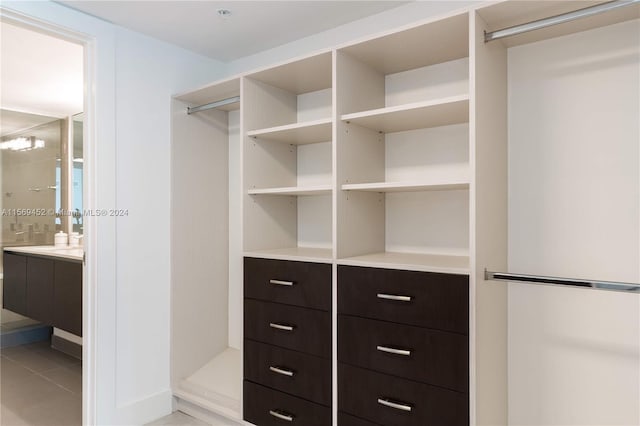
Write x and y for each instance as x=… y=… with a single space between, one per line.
x=402 y=134
x=288 y=158
x=387 y=153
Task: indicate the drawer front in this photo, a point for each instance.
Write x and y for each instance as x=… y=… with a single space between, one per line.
x=348 y=420
x=425 y=299
x=267 y=407
x=300 y=329
x=392 y=401
x=430 y=356
x=293 y=283
x=306 y=376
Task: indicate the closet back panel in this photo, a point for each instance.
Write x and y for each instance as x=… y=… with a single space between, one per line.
x=574 y=208
x=427 y=153
x=199 y=238
x=427 y=83
x=430 y=222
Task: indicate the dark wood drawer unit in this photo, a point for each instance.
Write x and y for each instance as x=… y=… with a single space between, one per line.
x=301 y=329
x=348 y=420
x=14 y=285
x=306 y=376
x=293 y=283
x=421 y=354
x=268 y=407
x=425 y=299
x=287 y=342
x=393 y=401
x=40 y=289
x=67 y=297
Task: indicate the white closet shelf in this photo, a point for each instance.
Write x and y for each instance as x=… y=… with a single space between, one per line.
x=298 y=133
x=407 y=186
x=303 y=254
x=217 y=385
x=448 y=264
x=417 y=115
x=292 y=190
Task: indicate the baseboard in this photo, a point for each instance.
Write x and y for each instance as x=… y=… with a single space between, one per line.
x=205 y=415
x=146 y=410
x=24 y=335
x=63 y=345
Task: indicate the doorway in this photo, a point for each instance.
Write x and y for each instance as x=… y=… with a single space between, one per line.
x=42 y=130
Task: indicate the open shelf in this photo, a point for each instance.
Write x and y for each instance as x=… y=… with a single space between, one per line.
x=302 y=254
x=293 y=190
x=412 y=261
x=214 y=92
x=462 y=183
x=309 y=132
x=217 y=385
x=417 y=115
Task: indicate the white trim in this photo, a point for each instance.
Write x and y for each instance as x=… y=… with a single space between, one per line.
x=89 y=302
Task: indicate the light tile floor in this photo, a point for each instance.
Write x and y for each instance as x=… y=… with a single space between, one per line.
x=39 y=386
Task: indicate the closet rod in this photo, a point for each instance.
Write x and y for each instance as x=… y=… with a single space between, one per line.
x=212 y=105
x=557 y=19
x=570 y=282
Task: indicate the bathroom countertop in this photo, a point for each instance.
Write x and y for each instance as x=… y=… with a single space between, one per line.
x=71 y=253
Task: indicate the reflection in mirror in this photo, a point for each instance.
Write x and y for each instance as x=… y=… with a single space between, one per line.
x=78 y=163
x=30 y=153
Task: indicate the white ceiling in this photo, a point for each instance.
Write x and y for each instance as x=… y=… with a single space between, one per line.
x=39 y=75
x=253 y=26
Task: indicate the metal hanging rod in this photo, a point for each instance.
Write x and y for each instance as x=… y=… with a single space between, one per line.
x=570 y=282
x=212 y=105
x=557 y=19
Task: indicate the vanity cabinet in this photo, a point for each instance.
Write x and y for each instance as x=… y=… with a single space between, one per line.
x=46 y=289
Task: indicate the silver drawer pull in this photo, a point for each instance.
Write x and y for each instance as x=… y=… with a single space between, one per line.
x=394 y=297
x=281 y=415
x=280 y=282
x=396 y=405
x=282 y=371
x=394 y=351
x=281 y=326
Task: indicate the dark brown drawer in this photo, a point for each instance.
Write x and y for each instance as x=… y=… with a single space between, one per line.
x=430 y=356
x=268 y=407
x=302 y=329
x=425 y=299
x=392 y=401
x=302 y=375
x=294 y=283
x=348 y=420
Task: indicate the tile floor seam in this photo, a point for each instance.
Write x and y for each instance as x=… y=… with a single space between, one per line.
x=56 y=383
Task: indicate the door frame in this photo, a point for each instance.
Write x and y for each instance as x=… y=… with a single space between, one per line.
x=89 y=299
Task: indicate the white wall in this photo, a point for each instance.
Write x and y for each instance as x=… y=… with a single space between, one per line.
x=129 y=169
x=148 y=73
x=574 y=211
